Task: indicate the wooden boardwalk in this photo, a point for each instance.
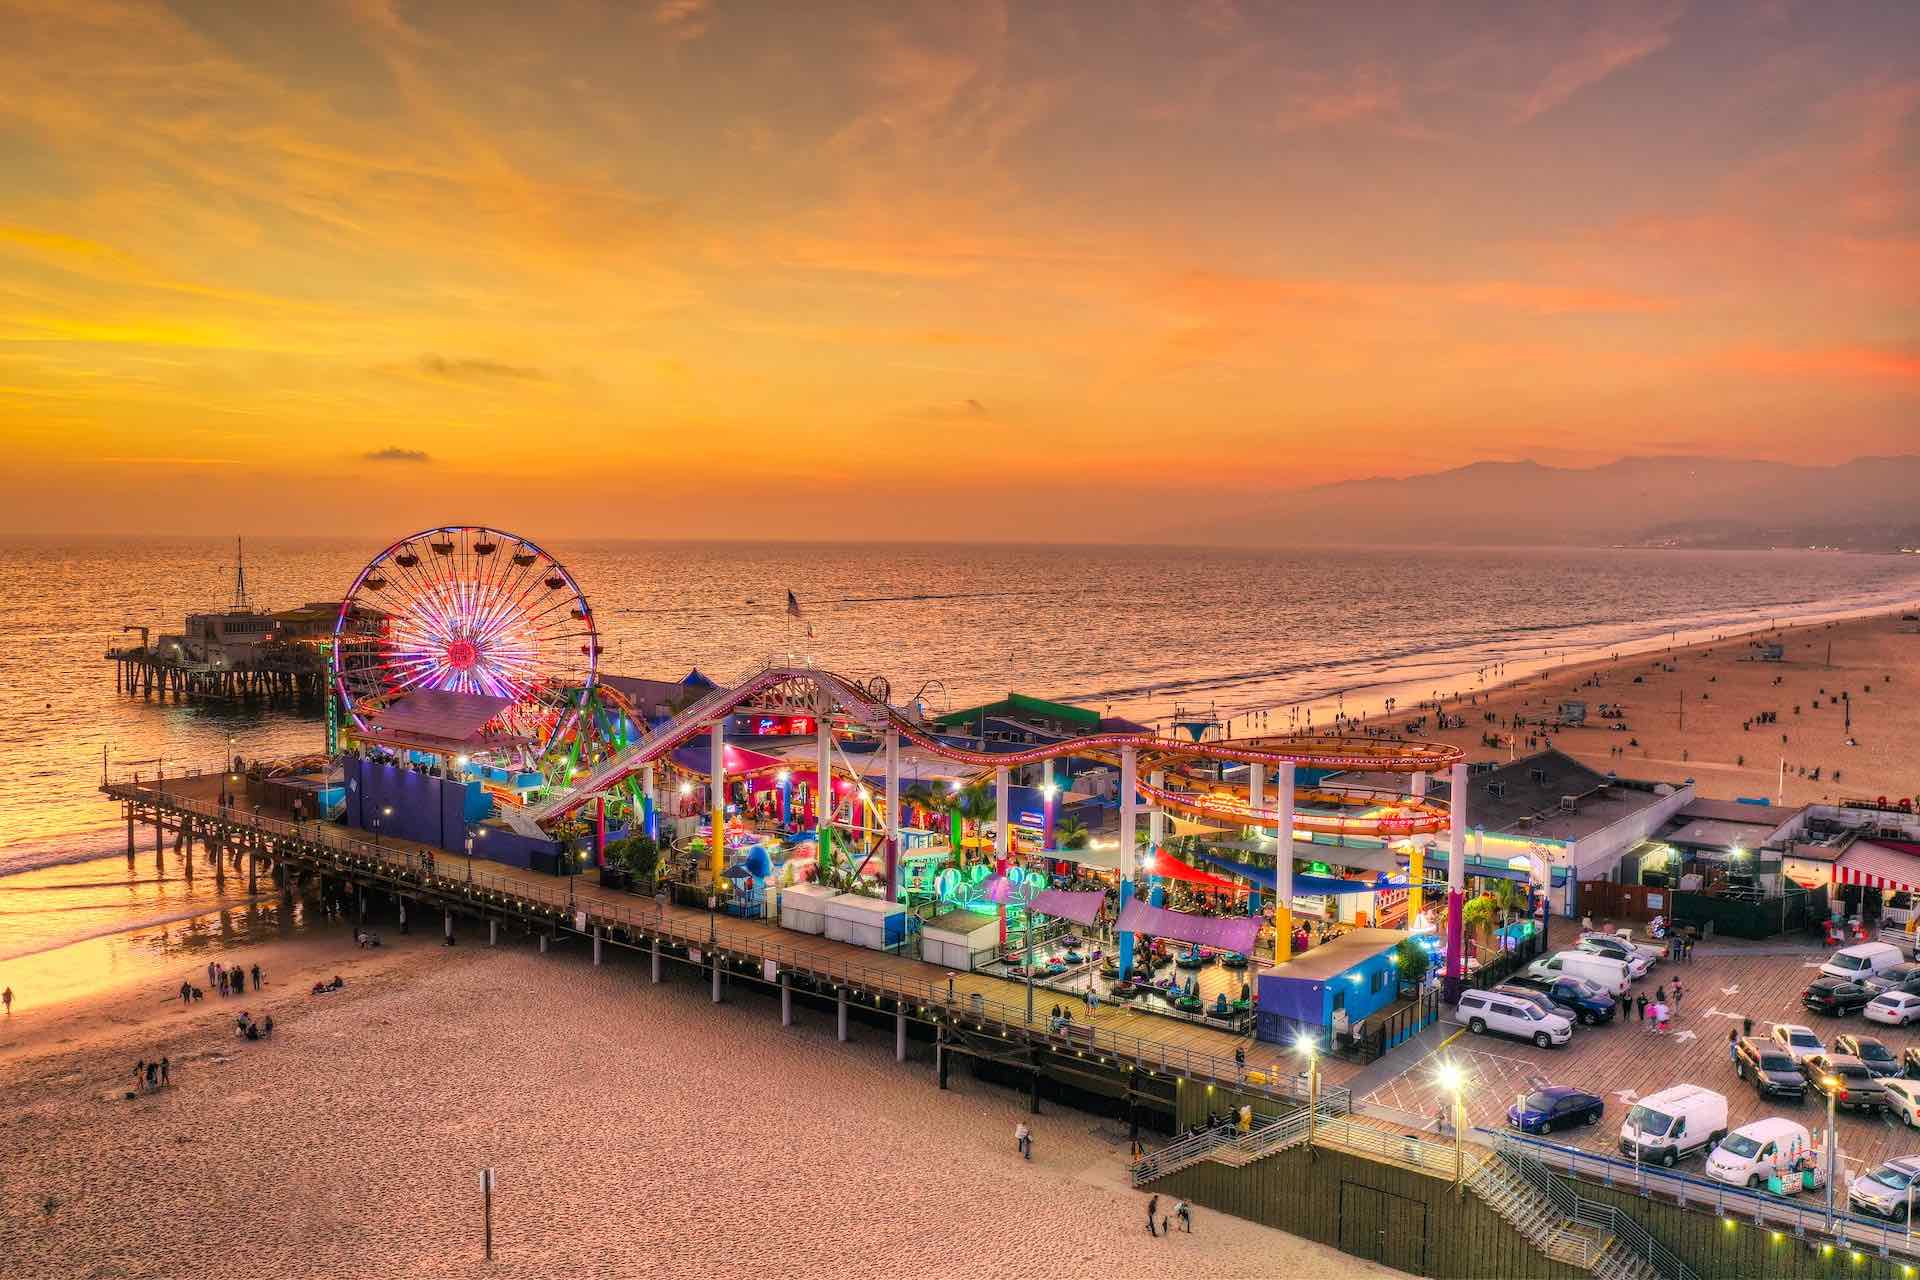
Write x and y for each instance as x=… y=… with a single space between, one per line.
x=584 y=906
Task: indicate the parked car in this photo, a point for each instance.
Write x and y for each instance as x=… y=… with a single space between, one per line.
x=1609 y=974
x=1601 y=944
x=1538 y=999
x=1871 y=1050
x=1886 y=1191
x=1588 y=1000
x=1910 y=1062
x=1771 y=1068
x=1485 y=1011
x=1797 y=1040
x=1863 y=960
x=1903 y=1100
x=1846 y=1078
x=1653 y=951
x=1835 y=996
x=1751 y=1154
x=1555 y=1106
x=1904 y=976
x=1895 y=1008
x=1674 y=1123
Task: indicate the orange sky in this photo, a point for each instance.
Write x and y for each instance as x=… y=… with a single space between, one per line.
x=1059 y=271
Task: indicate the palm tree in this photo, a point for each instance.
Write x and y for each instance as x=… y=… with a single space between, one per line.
x=975 y=805
x=1508 y=900
x=1477 y=916
x=1071 y=833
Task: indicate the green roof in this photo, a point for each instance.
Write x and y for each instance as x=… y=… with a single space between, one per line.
x=1021 y=704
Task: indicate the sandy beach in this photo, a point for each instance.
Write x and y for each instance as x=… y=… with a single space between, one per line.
x=1693 y=712
x=635 y=1131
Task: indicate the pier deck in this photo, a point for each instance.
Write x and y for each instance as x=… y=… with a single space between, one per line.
x=997 y=1005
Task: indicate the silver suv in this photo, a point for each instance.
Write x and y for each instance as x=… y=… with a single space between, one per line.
x=1888 y=1191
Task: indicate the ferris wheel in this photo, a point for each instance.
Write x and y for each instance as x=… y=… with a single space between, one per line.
x=470 y=610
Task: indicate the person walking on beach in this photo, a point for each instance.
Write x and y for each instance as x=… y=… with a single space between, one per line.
x=1023 y=1140
x=256 y=976
x=6 y=997
x=1153 y=1215
x=166 y=1071
x=210 y=973
x=1185 y=1215
x=222 y=980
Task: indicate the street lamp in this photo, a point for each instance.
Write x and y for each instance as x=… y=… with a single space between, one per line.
x=1306 y=1044
x=1453 y=1081
x=1832 y=1086
x=386 y=811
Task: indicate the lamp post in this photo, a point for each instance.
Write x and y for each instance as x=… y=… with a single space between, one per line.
x=1453 y=1080
x=1306 y=1044
x=1832 y=1086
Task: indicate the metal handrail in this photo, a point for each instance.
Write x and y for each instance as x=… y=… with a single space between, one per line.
x=483 y=887
x=1762 y=1208
x=1571 y=1204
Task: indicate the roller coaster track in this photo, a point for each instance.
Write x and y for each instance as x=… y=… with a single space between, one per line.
x=1357 y=754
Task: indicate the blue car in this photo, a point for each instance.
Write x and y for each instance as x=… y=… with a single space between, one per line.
x=1588 y=1002
x=1557 y=1106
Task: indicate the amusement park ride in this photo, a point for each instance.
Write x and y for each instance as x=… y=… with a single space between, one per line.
x=476 y=650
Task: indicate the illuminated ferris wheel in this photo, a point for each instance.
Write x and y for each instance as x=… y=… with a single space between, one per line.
x=467 y=610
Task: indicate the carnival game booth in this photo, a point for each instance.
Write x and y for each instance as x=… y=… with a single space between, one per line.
x=874 y=923
x=803 y=907
x=1331 y=990
x=960 y=939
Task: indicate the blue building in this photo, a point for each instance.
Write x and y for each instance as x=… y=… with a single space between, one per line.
x=1338 y=983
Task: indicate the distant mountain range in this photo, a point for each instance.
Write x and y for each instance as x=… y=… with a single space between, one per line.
x=1868 y=504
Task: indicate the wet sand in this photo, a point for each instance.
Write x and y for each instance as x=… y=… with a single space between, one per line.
x=1688 y=722
x=635 y=1130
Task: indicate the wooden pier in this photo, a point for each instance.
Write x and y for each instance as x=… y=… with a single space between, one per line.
x=1168 y=1073
x=145 y=673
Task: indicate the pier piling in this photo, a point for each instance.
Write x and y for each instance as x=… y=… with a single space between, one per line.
x=656 y=960
x=940 y=1053
x=493 y=933
x=597 y=933
x=450 y=927
x=786 y=1000
x=543 y=943
x=842 y=1002
x=900 y=1034
x=716 y=979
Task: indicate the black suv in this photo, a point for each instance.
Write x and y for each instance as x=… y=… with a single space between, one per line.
x=1835 y=996
x=1581 y=999
x=1770 y=1068
x=1846 y=1078
x=1870 y=1050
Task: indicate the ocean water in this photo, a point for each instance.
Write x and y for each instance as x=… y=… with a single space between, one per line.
x=1135 y=631
x=1144 y=632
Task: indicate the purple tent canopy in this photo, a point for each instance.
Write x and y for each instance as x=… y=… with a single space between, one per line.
x=1081 y=908
x=1229 y=933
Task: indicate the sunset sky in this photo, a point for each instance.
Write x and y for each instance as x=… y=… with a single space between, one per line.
x=1059 y=271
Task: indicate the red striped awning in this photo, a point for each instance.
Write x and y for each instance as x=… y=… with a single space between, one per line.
x=1874 y=866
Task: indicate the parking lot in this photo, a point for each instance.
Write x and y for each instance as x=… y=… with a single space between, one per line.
x=1622 y=1061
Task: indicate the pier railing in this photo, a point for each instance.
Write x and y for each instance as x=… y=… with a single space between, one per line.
x=454 y=875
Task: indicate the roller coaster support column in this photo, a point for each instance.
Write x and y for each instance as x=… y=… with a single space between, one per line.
x=1129 y=807
x=717 y=856
x=1283 y=865
x=1002 y=835
x=823 y=786
x=653 y=801
x=1456 y=880
x=1157 y=820
x=893 y=815
x=1416 y=862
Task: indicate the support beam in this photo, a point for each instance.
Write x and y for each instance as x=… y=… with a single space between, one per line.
x=543 y=942
x=1129 y=811
x=715 y=960
x=1003 y=829
x=717 y=859
x=1047 y=805
x=656 y=960
x=493 y=933
x=1456 y=880
x=892 y=750
x=900 y=1033
x=598 y=939
x=940 y=1053
x=1157 y=819
x=651 y=793
x=1283 y=784
x=842 y=1002
x=786 y=999
x=1256 y=786
x=823 y=783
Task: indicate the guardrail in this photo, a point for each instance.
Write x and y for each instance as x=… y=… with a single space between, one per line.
x=429 y=870
x=1633 y=1237
x=1762 y=1208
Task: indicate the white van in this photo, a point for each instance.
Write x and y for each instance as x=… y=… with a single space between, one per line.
x=1485 y=1011
x=1673 y=1124
x=1857 y=962
x=1751 y=1154
x=1610 y=975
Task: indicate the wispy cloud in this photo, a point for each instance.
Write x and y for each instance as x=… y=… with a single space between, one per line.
x=471 y=369
x=394 y=453
x=1598 y=54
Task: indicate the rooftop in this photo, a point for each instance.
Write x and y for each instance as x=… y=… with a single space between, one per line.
x=1527 y=795
x=1331 y=959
